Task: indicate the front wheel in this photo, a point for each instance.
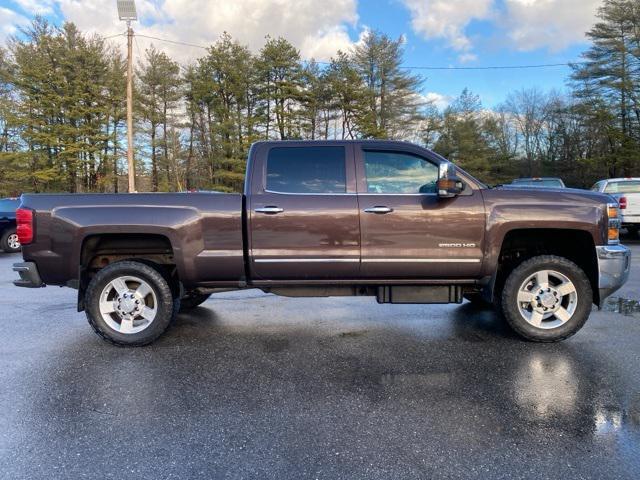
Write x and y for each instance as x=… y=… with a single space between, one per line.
x=130 y=303
x=547 y=299
x=9 y=241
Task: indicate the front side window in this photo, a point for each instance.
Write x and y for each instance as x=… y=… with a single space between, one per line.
x=628 y=186
x=306 y=170
x=399 y=173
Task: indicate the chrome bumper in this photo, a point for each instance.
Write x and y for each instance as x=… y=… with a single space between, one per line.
x=614 y=265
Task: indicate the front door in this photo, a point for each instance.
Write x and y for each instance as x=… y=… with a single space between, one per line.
x=407 y=231
x=303 y=213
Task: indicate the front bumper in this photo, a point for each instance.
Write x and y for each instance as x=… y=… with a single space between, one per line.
x=614 y=265
x=29 y=275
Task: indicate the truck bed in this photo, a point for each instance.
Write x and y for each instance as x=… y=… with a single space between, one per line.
x=204 y=230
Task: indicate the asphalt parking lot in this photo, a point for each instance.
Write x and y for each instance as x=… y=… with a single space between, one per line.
x=258 y=386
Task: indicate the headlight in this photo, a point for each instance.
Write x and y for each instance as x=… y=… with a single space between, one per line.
x=613 y=214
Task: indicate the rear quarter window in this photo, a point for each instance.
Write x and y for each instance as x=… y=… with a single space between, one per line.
x=306 y=170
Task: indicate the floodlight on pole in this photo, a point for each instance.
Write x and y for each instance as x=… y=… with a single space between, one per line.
x=127 y=13
x=127 y=10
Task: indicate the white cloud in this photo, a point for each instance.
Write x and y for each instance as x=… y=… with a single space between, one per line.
x=439 y=100
x=552 y=24
x=527 y=24
x=467 y=57
x=10 y=22
x=35 y=7
x=317 y=28
x=447 y=19
x=324 y=45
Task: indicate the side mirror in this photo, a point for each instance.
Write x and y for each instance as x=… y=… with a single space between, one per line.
x=449 y=185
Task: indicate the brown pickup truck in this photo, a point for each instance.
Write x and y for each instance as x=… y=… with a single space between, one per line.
x=384 y=219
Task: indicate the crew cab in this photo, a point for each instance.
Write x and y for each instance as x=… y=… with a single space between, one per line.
x=384 y=219
x=627 y=192
x=9 y=241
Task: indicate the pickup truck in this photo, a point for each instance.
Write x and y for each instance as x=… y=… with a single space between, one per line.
x=9 y=242
x=383 y=219
x=627 y=192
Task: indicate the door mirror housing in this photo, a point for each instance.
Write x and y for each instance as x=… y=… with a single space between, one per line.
x=449 y=184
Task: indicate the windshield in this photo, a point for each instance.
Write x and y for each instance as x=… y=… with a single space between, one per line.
x=546 y=182
x=626 y=186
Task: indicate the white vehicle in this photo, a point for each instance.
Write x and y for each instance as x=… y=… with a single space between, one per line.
x=627 y=192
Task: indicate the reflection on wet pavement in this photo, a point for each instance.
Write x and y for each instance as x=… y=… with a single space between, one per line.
x=624 y=306
x=546 y=385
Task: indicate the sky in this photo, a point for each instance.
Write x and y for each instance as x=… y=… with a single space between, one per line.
x=437 y=33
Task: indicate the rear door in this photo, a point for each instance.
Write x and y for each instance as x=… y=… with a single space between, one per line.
x=407 y=230
x=303 y=212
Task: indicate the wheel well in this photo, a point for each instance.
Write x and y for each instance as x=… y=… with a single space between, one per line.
x=521 y=245
x=98 y=251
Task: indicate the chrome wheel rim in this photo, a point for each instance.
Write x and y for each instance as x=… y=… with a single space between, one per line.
x=128 y=305
x=547 y=299
x=13 y=241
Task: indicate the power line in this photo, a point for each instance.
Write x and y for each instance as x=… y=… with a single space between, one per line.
x=426 y=67
x=114 y=36
x=175 y=42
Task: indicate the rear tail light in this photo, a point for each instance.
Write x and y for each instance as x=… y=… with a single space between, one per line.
x=623 y=203
x=24 y=222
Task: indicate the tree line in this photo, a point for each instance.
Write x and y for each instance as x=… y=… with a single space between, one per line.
x=62 y=111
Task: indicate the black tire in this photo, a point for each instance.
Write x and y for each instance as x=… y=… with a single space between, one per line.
x=5 y=241
x=633 y=232
x=192 y=300
x=167 y=304
x=526 y=269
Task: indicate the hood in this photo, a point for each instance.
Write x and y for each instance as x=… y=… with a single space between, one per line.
x=551 y=195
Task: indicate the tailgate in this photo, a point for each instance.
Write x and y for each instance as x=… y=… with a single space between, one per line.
x=633 y=204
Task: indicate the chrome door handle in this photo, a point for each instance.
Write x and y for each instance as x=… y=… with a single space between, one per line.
x=269 y=210
x=379 y=210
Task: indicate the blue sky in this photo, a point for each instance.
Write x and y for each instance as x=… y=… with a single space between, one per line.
x=462 y=33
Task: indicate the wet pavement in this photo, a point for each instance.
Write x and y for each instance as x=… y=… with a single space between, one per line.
x=257 y=386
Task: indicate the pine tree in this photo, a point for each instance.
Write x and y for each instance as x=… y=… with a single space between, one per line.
x=392 y=94
x=282 y=86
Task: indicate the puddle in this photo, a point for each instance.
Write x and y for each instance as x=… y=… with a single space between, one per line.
x=623 y=306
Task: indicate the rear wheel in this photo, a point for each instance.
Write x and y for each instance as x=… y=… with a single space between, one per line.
x=9 y=241
x=130 y=304
x=192 y=300
x=633 y=231
x=547 y=299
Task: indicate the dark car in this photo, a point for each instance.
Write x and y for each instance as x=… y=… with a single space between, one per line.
x=538 y=182
x=8 y=237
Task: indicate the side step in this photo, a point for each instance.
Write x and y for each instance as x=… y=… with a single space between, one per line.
x=420 y=294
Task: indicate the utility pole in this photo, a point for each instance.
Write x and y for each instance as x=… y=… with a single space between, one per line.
x=130 y=161
x=127 y=12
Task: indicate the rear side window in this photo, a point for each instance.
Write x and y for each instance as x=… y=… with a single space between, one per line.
x=307 y=170
x=395 y=172
x=629 y=186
